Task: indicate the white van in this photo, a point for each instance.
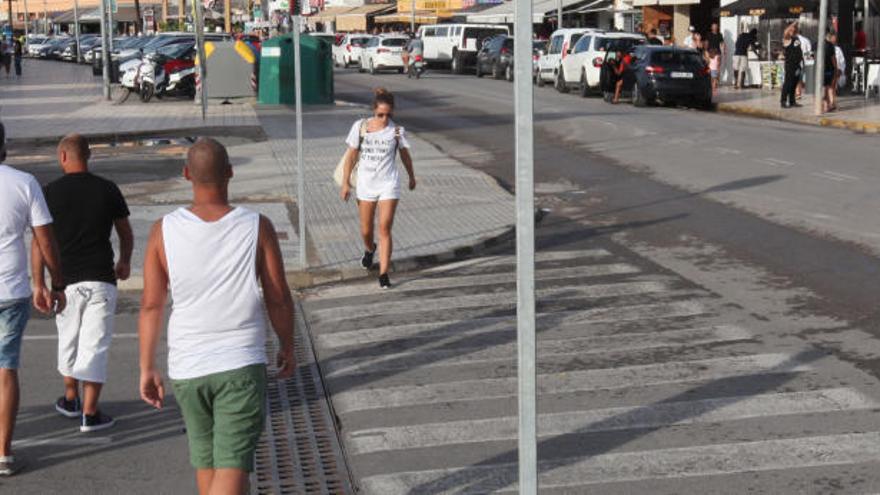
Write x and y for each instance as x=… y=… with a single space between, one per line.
x=561 y=43
x=456 y=44
x=582 y=68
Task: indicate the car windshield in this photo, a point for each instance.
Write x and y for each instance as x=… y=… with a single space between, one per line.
x=676 y=58
x=618 y=44
x=176 y=50
x=359 y=41
x=394 y=42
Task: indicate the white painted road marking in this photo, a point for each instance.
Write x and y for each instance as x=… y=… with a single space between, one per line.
x=616 y=418
x=683 y=462
x=573 y=381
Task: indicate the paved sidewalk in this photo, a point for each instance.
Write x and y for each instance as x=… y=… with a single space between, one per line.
x=855 y=113
x=55 y=98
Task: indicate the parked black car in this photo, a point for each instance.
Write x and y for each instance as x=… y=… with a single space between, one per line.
x=663 y=74
x=496 y=58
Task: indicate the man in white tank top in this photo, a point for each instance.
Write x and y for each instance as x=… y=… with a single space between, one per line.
x=215 y=258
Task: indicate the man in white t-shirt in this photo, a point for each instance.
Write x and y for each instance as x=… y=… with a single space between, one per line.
x=807 y=49
x=22 y=207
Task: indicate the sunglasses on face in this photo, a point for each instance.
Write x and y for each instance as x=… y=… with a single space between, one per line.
x=383 y=115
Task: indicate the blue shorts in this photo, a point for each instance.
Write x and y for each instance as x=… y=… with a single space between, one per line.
x=13 y=318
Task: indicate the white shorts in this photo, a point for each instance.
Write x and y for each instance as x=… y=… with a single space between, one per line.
x=740 y=63
x=378 y=194
x=85 y=329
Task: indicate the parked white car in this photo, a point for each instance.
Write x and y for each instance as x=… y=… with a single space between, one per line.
x=582 y=68
x=456 y=44
x=35 y=43
x=383 y=53
x=561 y=43
x=349 y=50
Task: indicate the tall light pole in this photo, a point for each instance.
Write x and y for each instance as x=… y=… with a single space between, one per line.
x=300 y=165
x=523 y=98
x=820 y=58
x=227 y=16
x=198 y=22
x=105 y=48
x=27 y=21
x=45 y=18
x=558 y=14
x=412 y=18
x=76 y=29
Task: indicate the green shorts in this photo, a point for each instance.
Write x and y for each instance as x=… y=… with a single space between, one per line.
x=224 y=415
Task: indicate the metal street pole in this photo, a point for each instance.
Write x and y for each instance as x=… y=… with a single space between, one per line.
x=525 y=246
x=105 y=49
x=227 y=15
x=198 y=23
x=45 y=18
x=820 y=57
x=27 y=21
x=76 y=29
x=558 y=14
x=412 y=18
x=300 y=164
x=111 y=27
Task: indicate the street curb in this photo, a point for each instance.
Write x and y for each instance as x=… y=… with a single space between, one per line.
x=859 y=126
x=254 y=132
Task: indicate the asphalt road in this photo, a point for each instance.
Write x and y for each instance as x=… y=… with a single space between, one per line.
x=703 y=327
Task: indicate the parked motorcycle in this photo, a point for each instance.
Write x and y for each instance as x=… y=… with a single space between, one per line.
x=162 y=73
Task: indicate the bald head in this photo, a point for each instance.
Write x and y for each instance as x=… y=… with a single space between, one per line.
x=73 y=153
x=208 y=163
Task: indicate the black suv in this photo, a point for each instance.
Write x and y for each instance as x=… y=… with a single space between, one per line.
x=496 y=58
x=663 y=73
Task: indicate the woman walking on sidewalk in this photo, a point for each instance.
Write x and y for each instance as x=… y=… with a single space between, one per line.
x=373 y=145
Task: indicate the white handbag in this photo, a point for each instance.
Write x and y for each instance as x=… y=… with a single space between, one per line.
x=339 y=172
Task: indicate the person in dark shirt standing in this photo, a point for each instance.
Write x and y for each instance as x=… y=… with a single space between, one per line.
x=717 y=45
x=86 y=208
x=794 y=58
x=745 y=42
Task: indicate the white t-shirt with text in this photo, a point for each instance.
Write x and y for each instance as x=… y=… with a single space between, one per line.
x=22 y=206
x=377 y=166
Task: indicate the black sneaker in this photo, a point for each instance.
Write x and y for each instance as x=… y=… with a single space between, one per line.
x=96 y=422
x=384 y=281
x=69 y=408
x=367 y=260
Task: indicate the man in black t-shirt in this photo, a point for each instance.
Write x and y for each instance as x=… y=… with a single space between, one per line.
x=716 y=42
x=86 y=208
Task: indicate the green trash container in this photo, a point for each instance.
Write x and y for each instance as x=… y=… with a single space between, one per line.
x=276 y=71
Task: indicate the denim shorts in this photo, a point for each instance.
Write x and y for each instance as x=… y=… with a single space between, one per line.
x=13 y=318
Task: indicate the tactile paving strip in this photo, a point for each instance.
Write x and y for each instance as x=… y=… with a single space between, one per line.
x=299 y=450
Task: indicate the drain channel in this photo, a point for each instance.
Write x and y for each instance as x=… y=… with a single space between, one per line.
x=299 y=450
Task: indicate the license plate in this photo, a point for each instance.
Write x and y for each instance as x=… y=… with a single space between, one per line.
x=682 y=75
x=396 y=52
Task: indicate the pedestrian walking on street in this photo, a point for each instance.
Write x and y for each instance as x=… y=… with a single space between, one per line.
x=215 y=258
x=86 y=208
x=832 y=73
x=22 y=207
x=16 y=55
x=373 y=145
x=6 y=51
x=794 y=58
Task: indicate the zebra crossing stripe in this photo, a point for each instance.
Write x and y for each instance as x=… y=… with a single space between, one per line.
x=494 y=300
x=617 y=418
x=438 y=329
x=404 y=285
x=573 y=381
x=441 y=354
x=674 y=463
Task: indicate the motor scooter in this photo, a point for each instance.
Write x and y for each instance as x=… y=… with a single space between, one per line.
x=416 y=67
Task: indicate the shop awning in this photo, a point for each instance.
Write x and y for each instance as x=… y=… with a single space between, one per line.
x=503 y=14
x=422 y=17
x=648 y=3
x=769 y=8
x=329 y=14
x=356 y=19
x=595 y=6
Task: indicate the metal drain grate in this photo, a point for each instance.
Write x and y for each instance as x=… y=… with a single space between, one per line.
x=299 y=450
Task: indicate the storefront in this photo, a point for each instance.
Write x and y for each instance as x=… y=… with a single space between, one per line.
x=672 y=18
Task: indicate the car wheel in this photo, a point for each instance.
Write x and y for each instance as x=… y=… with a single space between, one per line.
x=540 y=79
x=456 y=64
x=496 y=71
x=477 y=71
x=639 y=99
x=560 y=82
x=608 y=96
x=508 y=73
x=400 y=70
x=147 y=91
x=372 y=68
x=361 y=66
x=584 y=87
